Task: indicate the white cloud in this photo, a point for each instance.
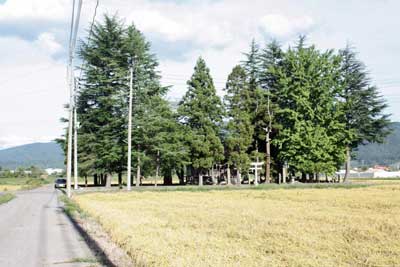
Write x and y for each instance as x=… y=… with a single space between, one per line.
x=34 y=9
x=33 y=91
x=282 y=26
x=199 y=28
x=47 y=42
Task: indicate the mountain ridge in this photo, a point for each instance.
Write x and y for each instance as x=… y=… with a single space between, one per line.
x=43 y=155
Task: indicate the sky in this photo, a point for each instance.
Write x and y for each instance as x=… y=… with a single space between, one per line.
x=34 y=33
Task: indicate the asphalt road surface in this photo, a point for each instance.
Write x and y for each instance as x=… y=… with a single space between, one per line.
x=34 y=231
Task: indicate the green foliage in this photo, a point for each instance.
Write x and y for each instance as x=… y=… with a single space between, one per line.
x=201 y=111
x=103 y=104
x=310 y=135
x=362 y=105
x=239 y=128
x=315 y=104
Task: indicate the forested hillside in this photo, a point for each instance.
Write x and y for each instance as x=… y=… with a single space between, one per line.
x=43 y=155
x=386 y=154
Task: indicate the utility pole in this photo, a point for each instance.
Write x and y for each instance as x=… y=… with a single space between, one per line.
x=69 y=146
x=138 y=168
x=268 y=156
x=70 y=72
x=128 y=173
x=157 y=168
x=75 y=141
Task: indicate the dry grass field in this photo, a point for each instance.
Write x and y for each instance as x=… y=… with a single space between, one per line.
x=283 y=227
x=4 y=188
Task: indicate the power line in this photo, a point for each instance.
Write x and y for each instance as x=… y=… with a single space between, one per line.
x=90 y=36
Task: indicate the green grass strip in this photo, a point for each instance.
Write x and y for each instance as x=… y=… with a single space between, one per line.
x=4 y=198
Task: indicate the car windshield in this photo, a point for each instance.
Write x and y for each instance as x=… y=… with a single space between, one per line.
x=60 y=181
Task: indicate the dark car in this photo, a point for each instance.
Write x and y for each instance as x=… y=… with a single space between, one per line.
x=60 y=183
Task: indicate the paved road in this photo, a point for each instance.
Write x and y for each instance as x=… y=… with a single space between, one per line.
x=35 y=232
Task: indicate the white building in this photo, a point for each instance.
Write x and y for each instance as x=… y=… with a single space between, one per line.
x=51 y=171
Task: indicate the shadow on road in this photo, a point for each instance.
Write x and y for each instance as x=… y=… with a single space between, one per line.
x=92 y=244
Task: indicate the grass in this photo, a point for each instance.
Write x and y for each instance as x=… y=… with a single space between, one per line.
x=13 y=184
x=79 y=260
x=348 y=226
x=4 y=198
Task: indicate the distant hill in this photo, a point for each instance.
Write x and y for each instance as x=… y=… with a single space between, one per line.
x=382 y=154
x=43 y=155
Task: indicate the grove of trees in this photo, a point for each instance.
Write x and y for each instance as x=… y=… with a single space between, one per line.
x=308 y=108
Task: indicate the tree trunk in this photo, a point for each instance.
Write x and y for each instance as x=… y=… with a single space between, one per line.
x=239 y=177
x=120 y=179
x=85 y=180
x=167 y=179
x=108 y=177
x=102 y=179
x=348 y=159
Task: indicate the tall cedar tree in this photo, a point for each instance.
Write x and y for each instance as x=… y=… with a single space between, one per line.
x=103 y=99
x=311 y=133
x=201 y=111
x=104 y=75
x=239 y=127
x=257 y=104
x=271 y=57
x=362 y=105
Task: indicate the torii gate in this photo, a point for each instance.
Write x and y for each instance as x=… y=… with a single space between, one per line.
x=255 y=166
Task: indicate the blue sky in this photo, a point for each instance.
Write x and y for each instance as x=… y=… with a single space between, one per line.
x=33 y=46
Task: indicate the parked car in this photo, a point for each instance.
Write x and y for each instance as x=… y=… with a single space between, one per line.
x=60 y=183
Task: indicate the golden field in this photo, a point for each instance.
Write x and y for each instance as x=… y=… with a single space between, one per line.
x=4 y=188
x=283 y=227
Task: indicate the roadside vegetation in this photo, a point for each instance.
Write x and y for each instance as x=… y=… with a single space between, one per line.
x=4 y=198
x=26 y=183
x=310 y=227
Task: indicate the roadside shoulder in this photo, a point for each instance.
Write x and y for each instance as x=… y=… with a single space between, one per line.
x=107 y=252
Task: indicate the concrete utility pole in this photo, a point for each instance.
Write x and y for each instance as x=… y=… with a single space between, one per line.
x=69 y=146
x=75 y=141
x=70 y=72
x=138 y=173
x=228 y=175
x=129 y=169
x=157 y=168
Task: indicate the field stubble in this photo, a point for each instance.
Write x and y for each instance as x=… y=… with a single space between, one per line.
x=298 y=227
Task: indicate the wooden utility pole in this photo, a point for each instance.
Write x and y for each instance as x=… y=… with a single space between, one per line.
x=129 y=163
x=268 y=156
